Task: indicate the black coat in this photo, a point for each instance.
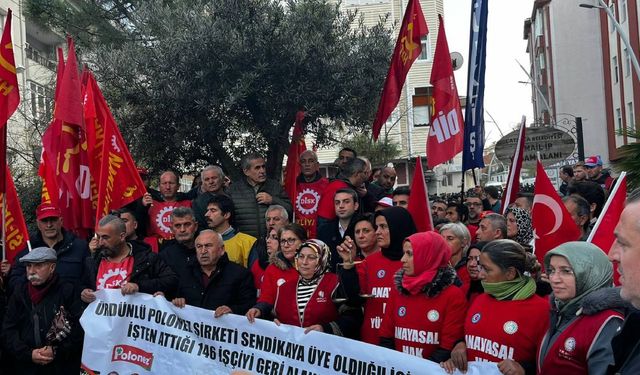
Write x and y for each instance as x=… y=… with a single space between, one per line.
x=230 y=285
x=149 y=272
x=18 y=330
x=176 y=255
x=626 y=346
x=71 y=252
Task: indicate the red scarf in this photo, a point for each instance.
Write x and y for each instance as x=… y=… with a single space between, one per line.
x=37 y=293
x=430 y=252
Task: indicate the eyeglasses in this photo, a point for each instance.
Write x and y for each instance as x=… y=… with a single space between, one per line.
x=310 y=258
x=288 y=241
x=562 y=272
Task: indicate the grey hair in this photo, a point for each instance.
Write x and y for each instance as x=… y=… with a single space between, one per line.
x=283 y=211
x=245 y=163
x=215 y=168
x=460 y=231
x=353 y=167
x=182 y=212
x=498 y=222
x=211 y=231
x=115 y=221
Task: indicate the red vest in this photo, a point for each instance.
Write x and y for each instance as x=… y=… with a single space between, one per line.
x=375 y=275
x=326 y=208
x=319 y=310
x=569 y=353
x=272 y=279
x=497 y=330
x=463 y=275
x=420 y=325
x=307 y=202
x=160 y=218
x=258 y=275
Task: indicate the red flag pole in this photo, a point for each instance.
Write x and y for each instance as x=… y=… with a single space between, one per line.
x=513 y=181
x=607 y=204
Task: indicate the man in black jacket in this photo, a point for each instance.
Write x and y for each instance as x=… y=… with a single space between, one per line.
x=70 y=250
x=178 y=252
x=213 y=282
x=118 y=264
x=30 y=315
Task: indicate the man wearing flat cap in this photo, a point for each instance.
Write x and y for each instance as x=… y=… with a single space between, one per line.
x=29 y=335
x=70 y=250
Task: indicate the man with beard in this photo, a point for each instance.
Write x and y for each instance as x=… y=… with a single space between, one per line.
x=178 y=252
x=30 y=315
x=119 y=264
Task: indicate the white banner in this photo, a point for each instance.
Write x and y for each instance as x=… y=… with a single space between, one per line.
x=143 y=334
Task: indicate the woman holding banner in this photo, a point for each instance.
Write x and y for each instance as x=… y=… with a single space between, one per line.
x=315 y=300
x=584 y=316
x=425 y=316
x=279 y=271
x=506 y=323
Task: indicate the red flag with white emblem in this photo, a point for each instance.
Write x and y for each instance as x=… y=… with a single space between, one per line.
x=9 y=94
x=602 y=233
x=446 y=135
x=551 y=221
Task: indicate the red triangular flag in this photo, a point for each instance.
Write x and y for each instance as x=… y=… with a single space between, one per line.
x=513 y=180
x=602 y=233
x=419 y=206
x=408 y=48
x=10 y=96
x=446 y=135
x=118 y=181
x=552 y=224
x=15 y=228
x=297 y=147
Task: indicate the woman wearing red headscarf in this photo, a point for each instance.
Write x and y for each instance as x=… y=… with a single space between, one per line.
x=426 y=313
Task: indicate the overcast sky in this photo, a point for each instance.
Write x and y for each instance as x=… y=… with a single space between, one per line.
x=505 y=98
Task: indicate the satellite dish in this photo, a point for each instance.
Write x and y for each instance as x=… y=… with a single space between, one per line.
x=456 y=60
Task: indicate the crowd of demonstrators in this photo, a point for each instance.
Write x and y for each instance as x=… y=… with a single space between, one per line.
x=346 y=259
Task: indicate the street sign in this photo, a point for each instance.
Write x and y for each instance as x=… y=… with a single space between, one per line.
x=553 y=144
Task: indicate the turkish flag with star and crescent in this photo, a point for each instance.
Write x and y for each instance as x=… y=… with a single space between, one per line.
x=551 y=221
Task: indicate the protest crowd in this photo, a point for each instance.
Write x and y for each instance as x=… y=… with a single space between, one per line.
x=468 y=288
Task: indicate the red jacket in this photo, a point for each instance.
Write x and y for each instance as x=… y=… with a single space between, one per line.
x=319 y=310
x=258 y=275
x=375 y=275
x=274 y=277
x=497 y=330
x=420 y=324
x=569 y=353
x=307 y=202
x=326 y=209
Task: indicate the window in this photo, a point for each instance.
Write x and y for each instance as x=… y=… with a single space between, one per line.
x=627 y=63
x=422 y=106
x=619 y=119
x=41 y=101
x=426 y=48
x=632 y=120
x=538 y=26
x=612 y=6
x=623 y=11
x=614 y=64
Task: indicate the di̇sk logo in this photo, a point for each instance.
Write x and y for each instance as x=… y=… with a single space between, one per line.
x=402 y=311
x=381 y=274
x=112 y=279
x=307 y=201
x=554 y=206
x=163 y=219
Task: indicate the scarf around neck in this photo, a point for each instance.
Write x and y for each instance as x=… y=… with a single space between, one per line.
x=514 y=290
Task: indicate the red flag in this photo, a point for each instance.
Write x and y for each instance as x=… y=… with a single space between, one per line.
x=119 y=182
x=602 y=233
x=552 y=224
x=513 y=181
x=446 y=135
x=408 y=48
x=9 y=94
x=419 y=206
x=297 y=147
x=72 y=164
x=14 y=226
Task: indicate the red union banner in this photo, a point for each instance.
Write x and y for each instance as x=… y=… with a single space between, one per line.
x=15 y=228
x=9 y=94
x=408 y=48
x=446 y=135
x=119 y=182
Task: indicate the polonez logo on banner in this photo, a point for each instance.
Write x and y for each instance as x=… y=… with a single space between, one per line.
x=148 y=335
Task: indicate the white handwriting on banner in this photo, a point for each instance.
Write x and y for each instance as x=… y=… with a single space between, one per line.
x=129 y=333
